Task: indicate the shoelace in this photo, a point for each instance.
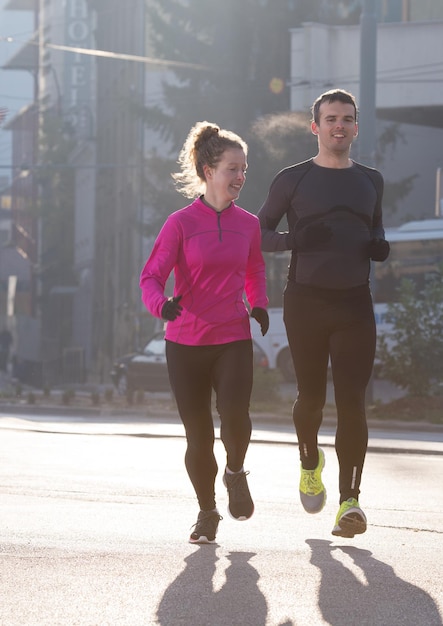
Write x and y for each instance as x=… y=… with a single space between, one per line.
x=310 y=482
x=209 y=519
x=349 y=504
x=237 y=483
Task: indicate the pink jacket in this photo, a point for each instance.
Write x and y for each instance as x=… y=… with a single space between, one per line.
x=216 y=257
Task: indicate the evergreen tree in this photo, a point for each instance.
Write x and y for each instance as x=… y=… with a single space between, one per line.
x=244 y=48
x=275 y=141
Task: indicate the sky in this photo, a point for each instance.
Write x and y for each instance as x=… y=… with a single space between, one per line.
x=15 y=87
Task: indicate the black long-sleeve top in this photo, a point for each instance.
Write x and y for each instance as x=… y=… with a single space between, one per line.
x=348 y=201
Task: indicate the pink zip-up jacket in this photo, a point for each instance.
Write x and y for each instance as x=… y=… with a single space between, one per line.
x=216 y=258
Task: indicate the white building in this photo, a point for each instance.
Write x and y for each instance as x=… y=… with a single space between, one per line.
x=409 y=92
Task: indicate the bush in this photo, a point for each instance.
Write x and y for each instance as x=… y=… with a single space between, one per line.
x=411 y=354
x=139 y=396
x=67 y=396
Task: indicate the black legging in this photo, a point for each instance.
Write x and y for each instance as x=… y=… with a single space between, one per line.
x=339 y=324
x=193 y=372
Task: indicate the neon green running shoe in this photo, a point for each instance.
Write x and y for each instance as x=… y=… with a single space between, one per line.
x=312 y=490
x=350 y=520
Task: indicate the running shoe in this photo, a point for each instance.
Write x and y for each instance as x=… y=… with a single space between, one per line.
x=350 y=520
x=205 y=527
x=312 y=490
x=240 y=506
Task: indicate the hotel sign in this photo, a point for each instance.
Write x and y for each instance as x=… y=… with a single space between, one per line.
x=78 y=80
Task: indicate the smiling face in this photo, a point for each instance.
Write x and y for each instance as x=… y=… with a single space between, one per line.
x=225 y=181
x=336 y=127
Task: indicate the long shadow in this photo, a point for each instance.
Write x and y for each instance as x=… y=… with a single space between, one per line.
x=190 y=600
x=376 y=598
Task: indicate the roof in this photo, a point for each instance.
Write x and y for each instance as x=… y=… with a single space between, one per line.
x=20 y=5
x=416 y=230
x=26 y=58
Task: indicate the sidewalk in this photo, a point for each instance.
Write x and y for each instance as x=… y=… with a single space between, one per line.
x=158 y=421
x=157 y=417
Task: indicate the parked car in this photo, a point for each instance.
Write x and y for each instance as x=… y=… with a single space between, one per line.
x=275 y=344
x=147 y=370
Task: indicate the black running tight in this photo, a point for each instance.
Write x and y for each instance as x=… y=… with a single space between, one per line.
x=339 y=325
x=193 y=372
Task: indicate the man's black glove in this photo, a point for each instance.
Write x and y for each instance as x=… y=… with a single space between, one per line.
x=379 y=249
x=171 y=309
x=312 y=237
x=262 y=317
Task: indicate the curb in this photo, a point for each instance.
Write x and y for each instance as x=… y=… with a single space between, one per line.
x=145 y=416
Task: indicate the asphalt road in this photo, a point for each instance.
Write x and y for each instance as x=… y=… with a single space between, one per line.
x=95 y=515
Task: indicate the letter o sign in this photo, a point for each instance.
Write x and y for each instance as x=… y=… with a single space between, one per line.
x=78 y=31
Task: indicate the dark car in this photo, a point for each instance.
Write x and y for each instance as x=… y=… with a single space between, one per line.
x=147 y=370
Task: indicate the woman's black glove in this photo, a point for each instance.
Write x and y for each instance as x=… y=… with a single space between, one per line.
x=312 y=237
x=262 y=317
x=171 y=309
x=379 y=249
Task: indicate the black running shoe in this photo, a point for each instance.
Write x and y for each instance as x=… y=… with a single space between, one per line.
x=205 y=527
x=241 y=506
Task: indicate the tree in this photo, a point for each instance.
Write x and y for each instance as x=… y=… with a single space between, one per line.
x=411 y=354
x=275 y=141
x=243 y=46
x=245 y=50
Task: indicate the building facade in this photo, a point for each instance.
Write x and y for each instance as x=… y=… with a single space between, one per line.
x=119 y=144
x=53 y=192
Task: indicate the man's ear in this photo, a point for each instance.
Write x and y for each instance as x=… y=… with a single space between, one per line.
x=314 y=128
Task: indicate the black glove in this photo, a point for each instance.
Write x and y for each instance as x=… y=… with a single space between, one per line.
x=262 y=317
x=378 y=249
x=312 y=237
x=171 y=309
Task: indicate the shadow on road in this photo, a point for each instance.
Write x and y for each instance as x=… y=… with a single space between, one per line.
x=360 y=589
x=192 y=599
